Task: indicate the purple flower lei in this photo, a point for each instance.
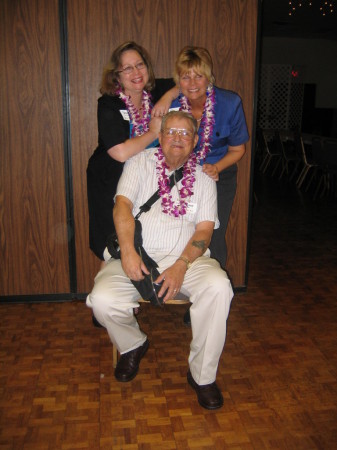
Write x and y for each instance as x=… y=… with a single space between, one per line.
x=140 y=124
x=207 y=122
x=186 y=191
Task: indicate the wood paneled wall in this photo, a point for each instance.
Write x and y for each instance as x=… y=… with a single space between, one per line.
x=33 y=220
x=33 y=214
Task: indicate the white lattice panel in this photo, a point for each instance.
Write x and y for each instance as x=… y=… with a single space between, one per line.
x=280 y=98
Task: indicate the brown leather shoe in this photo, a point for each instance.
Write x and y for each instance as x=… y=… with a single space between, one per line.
x=128 y=363
x=209 y=395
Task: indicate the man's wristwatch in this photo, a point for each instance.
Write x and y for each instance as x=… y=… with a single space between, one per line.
x=186 y=261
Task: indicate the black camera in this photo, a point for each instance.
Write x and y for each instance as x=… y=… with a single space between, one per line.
x=148 y=289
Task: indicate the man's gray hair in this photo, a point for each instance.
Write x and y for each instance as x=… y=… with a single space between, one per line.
x=180 y=115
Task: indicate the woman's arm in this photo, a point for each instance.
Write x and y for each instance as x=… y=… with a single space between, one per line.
x=233 y=155
x=132 y=146
x=113 y=130
x=122 y=152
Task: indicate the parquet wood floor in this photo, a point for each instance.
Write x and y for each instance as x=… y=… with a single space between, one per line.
x=278 y=372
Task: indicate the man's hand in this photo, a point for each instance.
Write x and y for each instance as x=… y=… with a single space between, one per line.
x=132 y=263
x=172 y=278
x=133 y=266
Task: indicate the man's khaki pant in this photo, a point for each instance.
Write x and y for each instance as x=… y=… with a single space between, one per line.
x=209 y=290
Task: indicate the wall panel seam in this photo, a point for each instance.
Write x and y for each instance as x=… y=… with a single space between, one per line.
x=67 y=145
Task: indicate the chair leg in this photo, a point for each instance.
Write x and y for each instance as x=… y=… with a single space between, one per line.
x=328 y=183
x=302 y=176
x=276 y=167
x=265 y=158
x=311 y=178
x=319 y=186
x=284 y=169
x=114 y=356
x=265 y=164
x=294 y=170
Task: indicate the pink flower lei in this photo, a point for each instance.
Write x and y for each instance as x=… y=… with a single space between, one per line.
x=207 y=122
x=140 y=124
x=186 y=191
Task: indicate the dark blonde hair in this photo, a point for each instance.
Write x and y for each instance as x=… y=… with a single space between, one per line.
x=197 y=58
x=110 y=78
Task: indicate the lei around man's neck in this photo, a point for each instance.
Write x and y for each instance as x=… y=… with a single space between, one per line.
x=170 y=207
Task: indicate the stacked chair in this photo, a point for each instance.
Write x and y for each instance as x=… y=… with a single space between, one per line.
x=283 y=153
x=271 y=156
x=308 y=164
x=291 y=154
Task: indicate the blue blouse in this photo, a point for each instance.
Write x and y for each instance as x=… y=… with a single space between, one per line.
x=230 y=126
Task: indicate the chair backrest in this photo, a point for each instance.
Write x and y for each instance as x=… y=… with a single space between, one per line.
x=279 y=143
x=261 y=139
x=299 y=144
x=287 y=142
x=269 y=138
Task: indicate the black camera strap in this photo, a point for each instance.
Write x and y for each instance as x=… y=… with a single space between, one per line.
x=146 y=287
x=174 y=178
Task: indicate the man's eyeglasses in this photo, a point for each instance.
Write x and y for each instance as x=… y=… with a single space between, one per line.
x=186 y=135
x=129 y=69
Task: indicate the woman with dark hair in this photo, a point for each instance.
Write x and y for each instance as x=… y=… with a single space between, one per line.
x=125 y=128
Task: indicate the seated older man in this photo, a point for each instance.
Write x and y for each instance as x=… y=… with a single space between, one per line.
x=176 y=234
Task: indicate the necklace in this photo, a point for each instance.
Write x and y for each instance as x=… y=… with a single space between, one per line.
x=168 y=206
x=140 y=124
x=207 y=122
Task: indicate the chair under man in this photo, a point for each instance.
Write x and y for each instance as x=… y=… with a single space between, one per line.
x=181 y=300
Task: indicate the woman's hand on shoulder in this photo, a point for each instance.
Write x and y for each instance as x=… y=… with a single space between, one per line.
x=160 y=108
x=211 y=170
x=163 y=104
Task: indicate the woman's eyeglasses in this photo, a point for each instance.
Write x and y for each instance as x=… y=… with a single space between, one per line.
x=129 y=69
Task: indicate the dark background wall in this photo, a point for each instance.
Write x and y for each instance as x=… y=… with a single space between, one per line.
x=52 y=55
x=307 y=40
